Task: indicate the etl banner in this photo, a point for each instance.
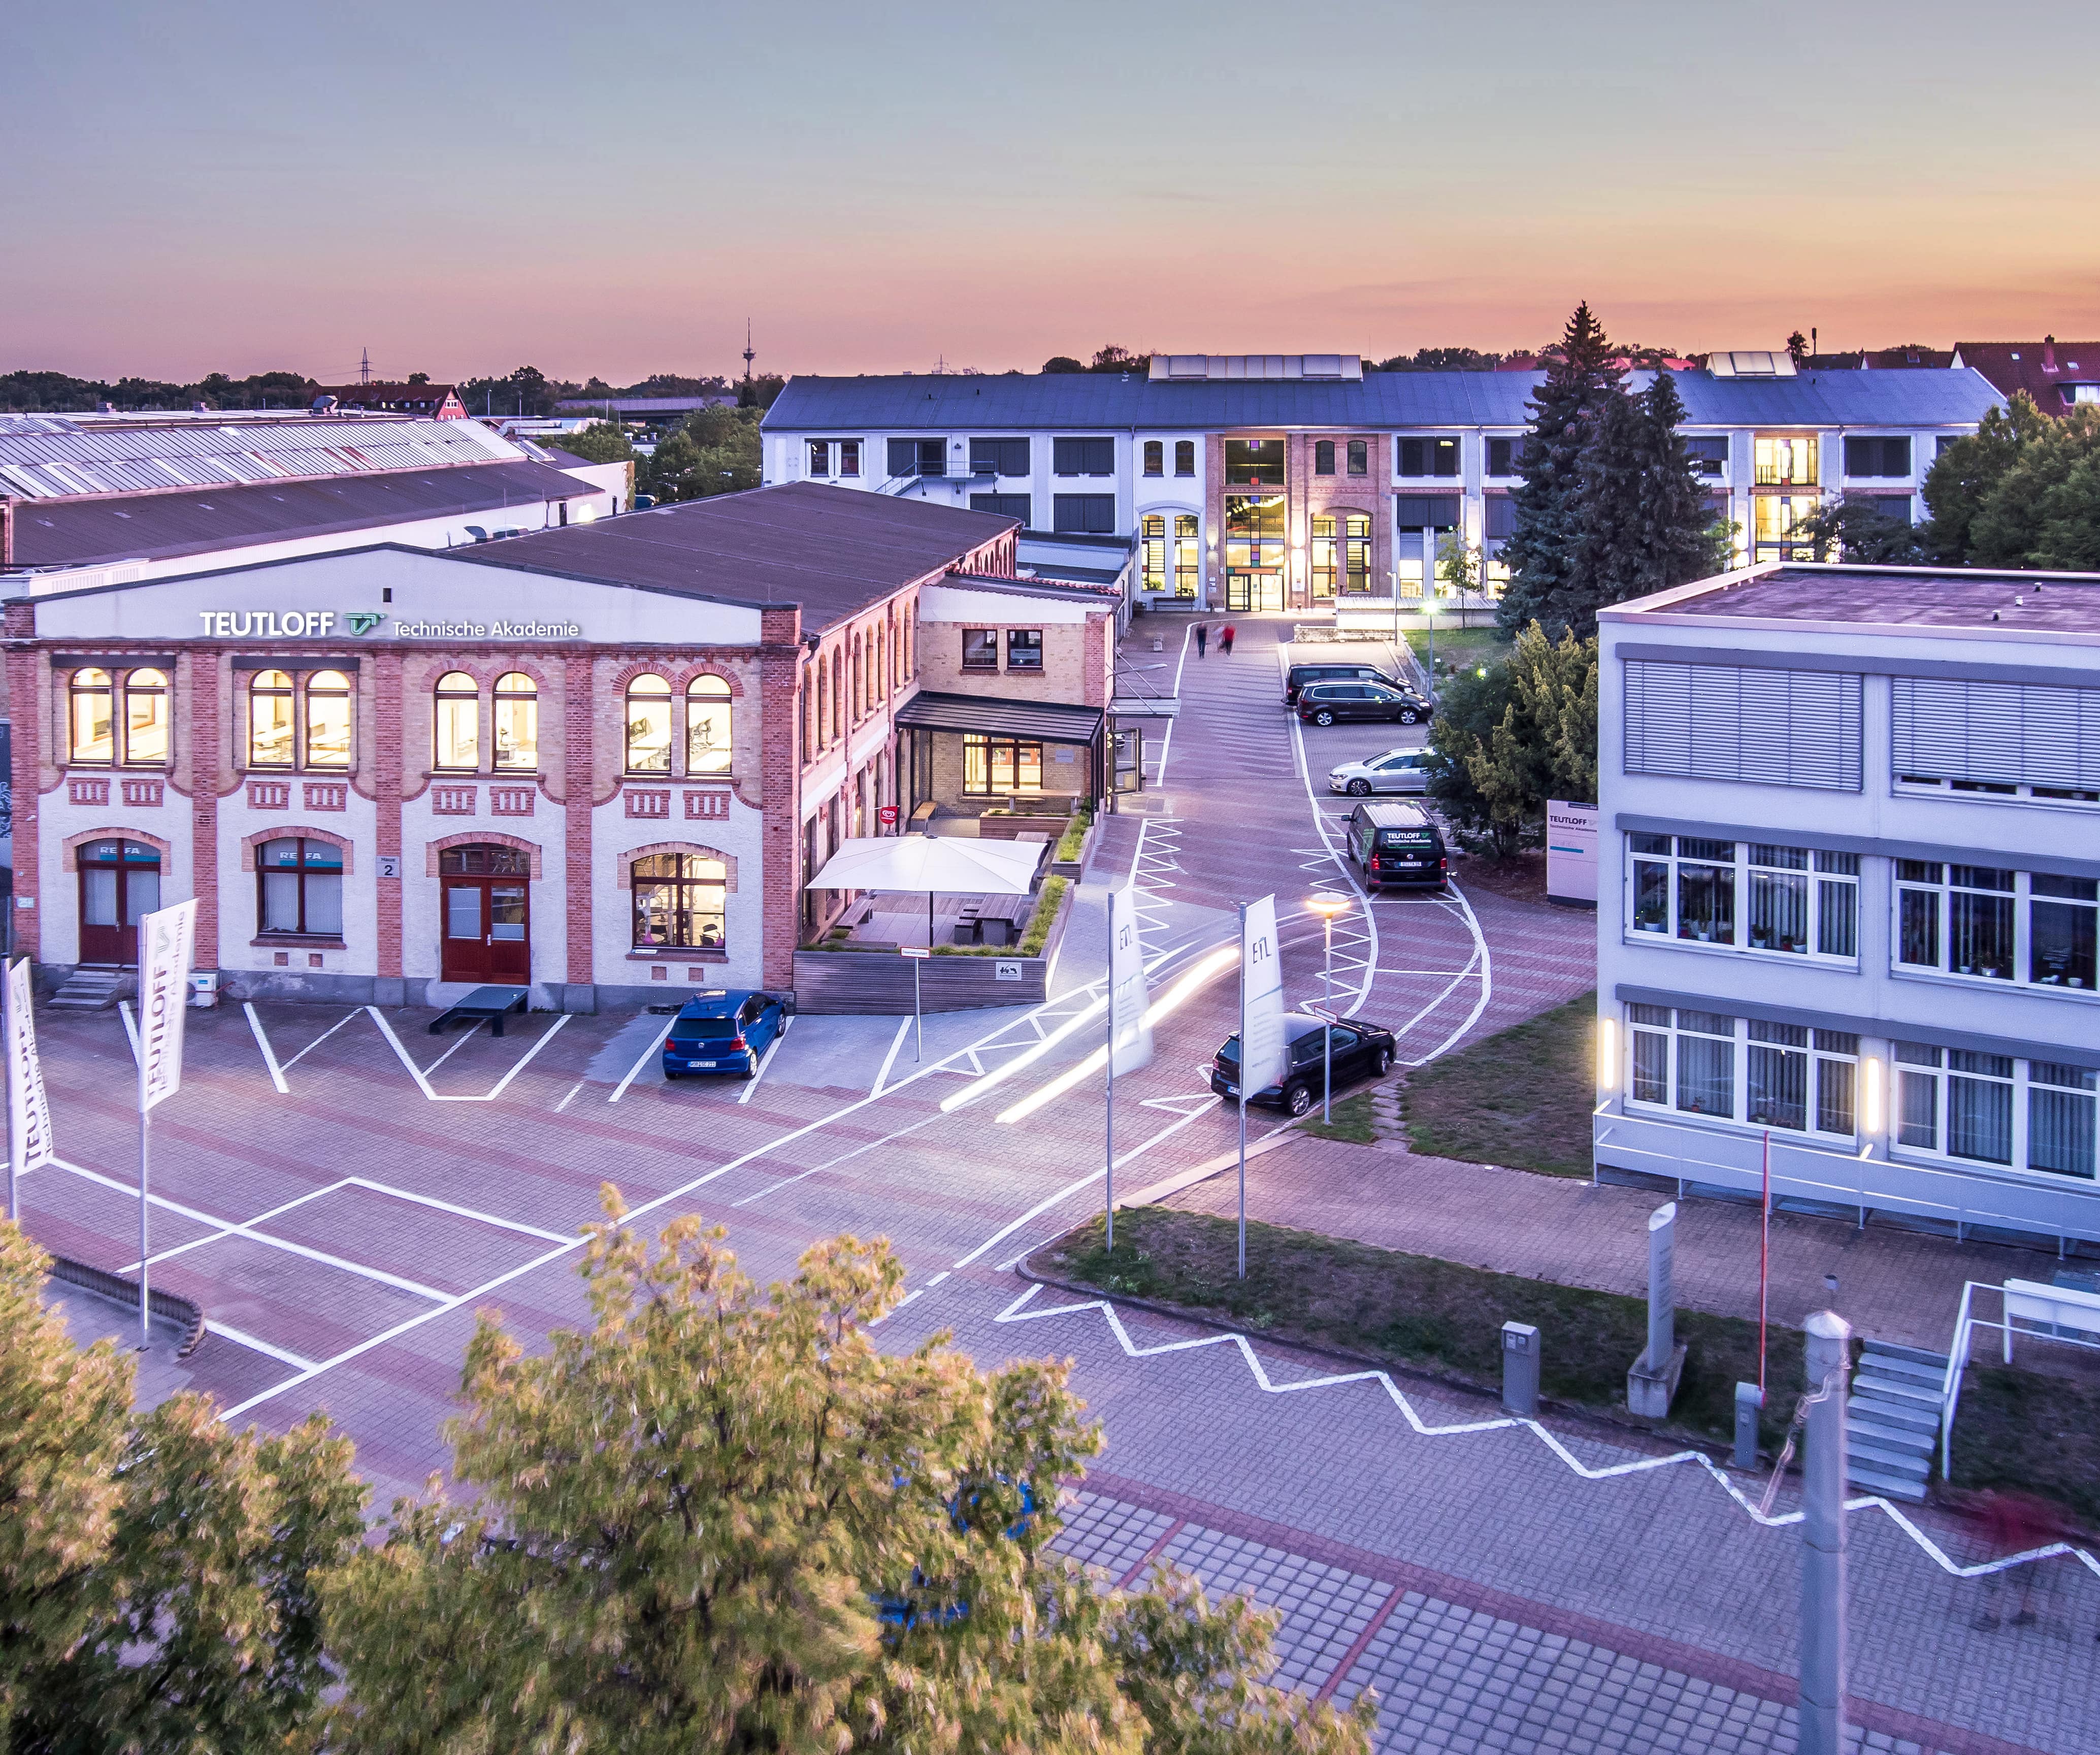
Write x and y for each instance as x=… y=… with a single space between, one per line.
x=1264 y=1057
x=167 y=943
x=1571 y=852
x=29 y=1110
x=1128 y=1029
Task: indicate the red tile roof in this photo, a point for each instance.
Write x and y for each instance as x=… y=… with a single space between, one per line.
x=2043 y=368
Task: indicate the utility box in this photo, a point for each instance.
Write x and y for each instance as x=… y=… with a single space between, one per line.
x=1520 y=1369
x=203 y=988
x=1749 y=1403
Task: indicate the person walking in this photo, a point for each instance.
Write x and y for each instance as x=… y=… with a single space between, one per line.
x=1203 y=637
x=1225 y=640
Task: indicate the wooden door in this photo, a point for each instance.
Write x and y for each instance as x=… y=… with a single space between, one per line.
x=119 y=882
x=464 y=926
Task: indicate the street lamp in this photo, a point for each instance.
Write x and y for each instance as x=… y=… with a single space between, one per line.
x=1329 y=905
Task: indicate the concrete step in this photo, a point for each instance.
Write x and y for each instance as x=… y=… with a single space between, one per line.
x=1887 y=1461
x=1888 y=1485
x=91 y=990
x=1867 y=1423
x=1931 y=1377
x=1927 y=1395
x=1918 y=1416
x=1917 y=1355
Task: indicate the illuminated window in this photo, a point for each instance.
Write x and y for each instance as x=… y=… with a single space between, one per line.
x=649 y=725
x=1356 y=551
x=146 y=719
x=1786 y=462
x=328 y=720
x=995 y=765
x=1152 y=529
x=93 y=733
x=271 y=737
x=459 y=722
x=517 y=722
x=707 y=726
x=1325 y=558
x=679 y=901
x=1188 y=564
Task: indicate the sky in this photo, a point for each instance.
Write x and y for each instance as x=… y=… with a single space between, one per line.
x=462 y=187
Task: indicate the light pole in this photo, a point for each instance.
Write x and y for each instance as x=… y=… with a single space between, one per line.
x=1330 y=907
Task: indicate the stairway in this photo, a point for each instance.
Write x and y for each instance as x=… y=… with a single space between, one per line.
x=1892 y=1419
x=87 y=989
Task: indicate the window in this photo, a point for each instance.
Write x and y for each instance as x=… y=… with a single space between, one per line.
x=1155 y=457
x=2032 y=741
x=90 y=709
x=1088 y=514
x=1429 y=457
x=1323 y=458
x=1709 y=457
x=679 y=901
x=1005 y=505
x=995 y=765
x=1083 y=457
x=1188 y=564
x=328 y=720
x=1878 y=457
x=146 y=718
x=272 y=737
x=299 y=887
x=1414 y=513
x=1802 y=1079
x=1760 y=897
x=2062 y=916
x=649 y=725
x=707 y=748
x=1961 y=1104
x=999 y=456
x=820 y=457
x=1325 y=555
x=1785 y=463
x=1360 y=457
x=1185 y=457
x=1726 y=721
x=1505 y=456
x=2060 y=1103
x=517 y=724
x=459 y=722
x=1777 y=524
x=859 y=674
x=1254 y=531
x=1152 y=551
x=1356 y=551
x=1706 y=1083
x=1254 y=462
x=979 y=648
x=850 y=457
x=1975 y=920
x=918 y=457
x=1024 y=649
x=1500 y=511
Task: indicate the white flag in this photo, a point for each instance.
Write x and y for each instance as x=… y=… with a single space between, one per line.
x=1128 y=1026
x=29 y=1110
x=167 y=943
x=1264 y=1056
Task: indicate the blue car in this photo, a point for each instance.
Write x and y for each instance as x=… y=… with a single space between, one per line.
x=724 y=1031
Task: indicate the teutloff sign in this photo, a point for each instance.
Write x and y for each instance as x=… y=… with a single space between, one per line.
x=29 y=1110
x=1571 y=851
x=167 y=944
x=1128 y=1002
x=1264 y=1056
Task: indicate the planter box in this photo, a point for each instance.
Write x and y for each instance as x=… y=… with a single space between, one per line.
x=830 y=982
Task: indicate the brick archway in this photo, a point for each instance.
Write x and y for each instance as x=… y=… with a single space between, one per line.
x=479 y=837
x=626 y=878
x=73 y=843
x=289 y=831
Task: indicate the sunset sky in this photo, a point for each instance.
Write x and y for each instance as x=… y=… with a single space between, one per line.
x=463 y=186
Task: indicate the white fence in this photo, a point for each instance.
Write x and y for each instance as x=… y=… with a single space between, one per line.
x=2030 y=1308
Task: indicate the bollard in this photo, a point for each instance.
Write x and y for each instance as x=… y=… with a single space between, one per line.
x=1749 y=1403
x=1823 y=1539
x=1520 y=1369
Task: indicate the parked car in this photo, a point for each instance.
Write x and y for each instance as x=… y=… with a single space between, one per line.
x=725 y=1030
x=1395 y=770
x=1395 y=845
x=1300 y=674
x=1324 y=703
x=1362 y=1050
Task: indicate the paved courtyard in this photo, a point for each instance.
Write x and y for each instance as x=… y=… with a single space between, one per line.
x=342 y=1217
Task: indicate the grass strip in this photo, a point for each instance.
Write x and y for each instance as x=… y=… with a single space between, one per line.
x=1430 y=1315
x=1520 y=1098
x=2020 y=1431
x=1352 y=1123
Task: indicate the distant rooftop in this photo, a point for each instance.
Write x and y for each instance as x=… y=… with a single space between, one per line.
x=1918 y=597
x=1210 y=368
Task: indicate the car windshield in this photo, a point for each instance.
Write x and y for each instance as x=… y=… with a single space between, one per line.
x=702 y=1029
x=1230 y=1054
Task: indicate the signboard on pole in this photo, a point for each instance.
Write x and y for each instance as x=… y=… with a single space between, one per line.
x=1571 y=853
x=29 y=1110
x=1128 y=1028
x=167 y=944
x=1264 y=1056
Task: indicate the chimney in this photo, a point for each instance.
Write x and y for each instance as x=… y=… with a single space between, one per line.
x=6 y=533
x=2048 y=353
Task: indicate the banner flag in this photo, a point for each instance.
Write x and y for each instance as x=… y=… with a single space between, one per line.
x=167 y=944
x=1265 y=1055
x=29 y=1110
x=1129 y=1000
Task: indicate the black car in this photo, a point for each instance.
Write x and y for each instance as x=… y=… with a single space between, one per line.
x=1362 y=1050
x=1300 y=674
x=1325 y=703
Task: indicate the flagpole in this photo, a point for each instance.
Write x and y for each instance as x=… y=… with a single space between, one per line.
x=1243 y=1088
x=8 y=1024
x=1764 y=1256
x=145 y=1123
x=1109 y=1207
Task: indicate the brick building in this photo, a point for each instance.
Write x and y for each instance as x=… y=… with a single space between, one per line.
x=599 y=760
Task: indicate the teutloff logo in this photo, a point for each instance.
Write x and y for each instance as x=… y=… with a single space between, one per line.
x=362 y=621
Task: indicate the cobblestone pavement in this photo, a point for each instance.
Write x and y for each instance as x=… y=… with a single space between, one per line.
x=341 y=1234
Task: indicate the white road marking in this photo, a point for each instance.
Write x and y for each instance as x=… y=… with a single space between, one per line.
x=269 y=1060
x=573 y=1089
x=240 y=1338
x=889 y=1059
x=330 y=1031
x=130 y=1028
x=476 y=1213
x=634 y=1071
x=758 y=1072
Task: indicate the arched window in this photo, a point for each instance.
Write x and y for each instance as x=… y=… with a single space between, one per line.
x=707 y=726
x=649 y=725
x=146 y=719
x=1155 y=457
x=517 y=722
x=1323 y=457
x=93 y=735
x=822 y=690
x=1356 y=551
x=678 y=902
x=1152 y=551
x=859 y=680
x=459 y=722
x=882 y=664
x=299 y=887
x=271 y=724
x=327 y=721
x=838 y=691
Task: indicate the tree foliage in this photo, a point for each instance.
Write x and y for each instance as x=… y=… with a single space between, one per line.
x=600 y=442
x=2023 y=491
x=1440 y=359
x=726 y=1520
x=1506 y=740
x=158 y=1576
x=1858 y=528
x=715 y=451
x=527 y=392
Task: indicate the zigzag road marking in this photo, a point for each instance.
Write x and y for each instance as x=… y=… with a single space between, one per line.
x=1017 y=1311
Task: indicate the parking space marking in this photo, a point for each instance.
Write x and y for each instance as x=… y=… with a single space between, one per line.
x=269 y=1060
x=634 y=1071
x=758 y=1071
x=346 y=1018
x=420 y=1075
x=240 y=1337
x=889 y=1059
x=457 y=1211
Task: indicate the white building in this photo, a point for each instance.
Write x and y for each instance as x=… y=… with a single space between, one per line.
x=1849 y=883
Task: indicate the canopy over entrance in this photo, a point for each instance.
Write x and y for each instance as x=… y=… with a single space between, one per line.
x=931 y=865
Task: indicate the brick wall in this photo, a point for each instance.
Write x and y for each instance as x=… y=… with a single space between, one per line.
x=780 y=667
x=29 y=722
x=579 y=760
x=203 y=666
x=390 y=765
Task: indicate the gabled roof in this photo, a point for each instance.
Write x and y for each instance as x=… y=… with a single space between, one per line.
x=2042 y=369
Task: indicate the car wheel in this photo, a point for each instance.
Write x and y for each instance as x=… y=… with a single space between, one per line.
x=1297 y=1099
x=1383 y=1062
x=1409 y=716
x=1323 y=718
x=1360 y=789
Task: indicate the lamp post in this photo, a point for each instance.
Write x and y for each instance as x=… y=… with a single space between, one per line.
x=1330 y=907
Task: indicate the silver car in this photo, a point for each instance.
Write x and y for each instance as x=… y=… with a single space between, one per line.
x=1395 y=770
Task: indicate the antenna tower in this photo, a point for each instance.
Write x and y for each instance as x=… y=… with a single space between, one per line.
x=748 y=356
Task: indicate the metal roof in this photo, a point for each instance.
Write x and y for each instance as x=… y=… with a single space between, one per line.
x=2006 y=603
x=1093 y=401
x=1051 y=721
x=42 y=456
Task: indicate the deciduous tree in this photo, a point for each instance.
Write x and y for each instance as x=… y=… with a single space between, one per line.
x=1506 y=742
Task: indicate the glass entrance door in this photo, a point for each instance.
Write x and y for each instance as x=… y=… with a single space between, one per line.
x=1254 y=589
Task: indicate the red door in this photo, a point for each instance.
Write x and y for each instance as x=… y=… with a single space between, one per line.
x=486 y=915
x=119 y=882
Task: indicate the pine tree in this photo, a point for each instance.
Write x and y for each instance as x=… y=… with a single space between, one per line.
x=1541 y=551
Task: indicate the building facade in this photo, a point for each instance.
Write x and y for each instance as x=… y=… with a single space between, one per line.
x=596 y=761
x=1849 y=884
x=1299 y=481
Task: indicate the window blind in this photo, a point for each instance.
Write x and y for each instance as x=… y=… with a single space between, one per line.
x=2016 y=733
x=1742 y=722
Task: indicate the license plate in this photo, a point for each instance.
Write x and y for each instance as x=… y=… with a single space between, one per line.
x=708 y=1065
x=1232 y=1090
